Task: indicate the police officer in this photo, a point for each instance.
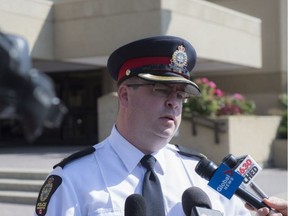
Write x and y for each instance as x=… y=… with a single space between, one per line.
x=153 y=77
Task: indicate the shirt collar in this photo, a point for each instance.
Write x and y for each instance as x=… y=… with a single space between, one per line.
x=125 y=150
x=160 y=157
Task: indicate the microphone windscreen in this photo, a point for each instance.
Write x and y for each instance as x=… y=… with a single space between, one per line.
x=206 y=168
x=135 y=205
x=195 y=197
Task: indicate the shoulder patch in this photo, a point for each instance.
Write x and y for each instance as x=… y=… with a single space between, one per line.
x=75 y=156
x=189 y=152
x=49 y=187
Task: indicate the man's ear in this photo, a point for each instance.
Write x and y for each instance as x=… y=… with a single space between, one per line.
x=123 y=95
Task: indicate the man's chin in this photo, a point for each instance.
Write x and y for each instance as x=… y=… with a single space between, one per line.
x=167 y=134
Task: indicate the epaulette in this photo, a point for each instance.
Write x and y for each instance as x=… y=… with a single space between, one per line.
x=75 y=156
x=189 y=152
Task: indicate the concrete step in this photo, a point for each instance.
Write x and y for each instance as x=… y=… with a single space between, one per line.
x=21 y=186
x=23 y=174
x=18 y=197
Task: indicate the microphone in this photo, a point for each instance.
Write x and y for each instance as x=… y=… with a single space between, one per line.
x=135 y=205
x=248 y=168
x=207 y=169
x=195 y=202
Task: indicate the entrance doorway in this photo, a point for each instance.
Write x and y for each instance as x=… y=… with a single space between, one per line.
x=79 y=91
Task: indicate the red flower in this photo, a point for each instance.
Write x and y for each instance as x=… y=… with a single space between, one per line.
x=219 y=92
x=212 y=84
x=238 y=96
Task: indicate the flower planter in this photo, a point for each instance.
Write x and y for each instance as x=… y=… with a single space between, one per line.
x=237 y=135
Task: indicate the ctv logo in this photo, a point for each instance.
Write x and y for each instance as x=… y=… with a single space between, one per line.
x=248 y=169
x=225 y=181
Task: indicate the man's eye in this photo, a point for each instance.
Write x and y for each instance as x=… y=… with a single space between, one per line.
x=163 y=91
x=181 y=95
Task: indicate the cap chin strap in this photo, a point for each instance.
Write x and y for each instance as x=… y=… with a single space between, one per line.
x=160 y=78
x=191 y=88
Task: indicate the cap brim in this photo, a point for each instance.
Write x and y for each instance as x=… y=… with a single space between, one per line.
x=191 y=87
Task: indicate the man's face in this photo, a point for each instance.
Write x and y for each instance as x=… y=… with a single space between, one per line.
x=155 y=109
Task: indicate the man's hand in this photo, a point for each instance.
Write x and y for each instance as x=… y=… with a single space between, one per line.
x=278 y=204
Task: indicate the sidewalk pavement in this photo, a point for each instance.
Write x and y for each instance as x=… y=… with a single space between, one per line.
x=271 y=180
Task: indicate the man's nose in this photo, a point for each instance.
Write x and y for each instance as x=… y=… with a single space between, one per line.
x=173 y=101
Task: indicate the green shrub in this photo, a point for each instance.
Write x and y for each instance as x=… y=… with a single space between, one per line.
x=214 y=102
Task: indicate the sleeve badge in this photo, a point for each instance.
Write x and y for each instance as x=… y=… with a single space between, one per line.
x=49 y=187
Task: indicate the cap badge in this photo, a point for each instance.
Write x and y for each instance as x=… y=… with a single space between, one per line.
x=179 y=60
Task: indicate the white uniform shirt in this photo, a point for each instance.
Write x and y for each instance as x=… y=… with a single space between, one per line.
x=99 y=183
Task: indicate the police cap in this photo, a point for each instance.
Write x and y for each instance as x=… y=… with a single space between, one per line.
x=164 y=59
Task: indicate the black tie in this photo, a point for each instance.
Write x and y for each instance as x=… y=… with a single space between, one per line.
x=151 y=189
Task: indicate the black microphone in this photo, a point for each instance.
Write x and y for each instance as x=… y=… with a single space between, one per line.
x=135 y=205
x=206 y=169
x=196 y=202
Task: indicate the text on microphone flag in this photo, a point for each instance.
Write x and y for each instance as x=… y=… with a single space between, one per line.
x=248 y=169
x=225 y=181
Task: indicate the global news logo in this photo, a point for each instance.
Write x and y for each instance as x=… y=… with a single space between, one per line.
x=225 y=181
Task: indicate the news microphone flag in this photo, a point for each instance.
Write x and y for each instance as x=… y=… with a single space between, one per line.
x=249 y=169
x=225 y=181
